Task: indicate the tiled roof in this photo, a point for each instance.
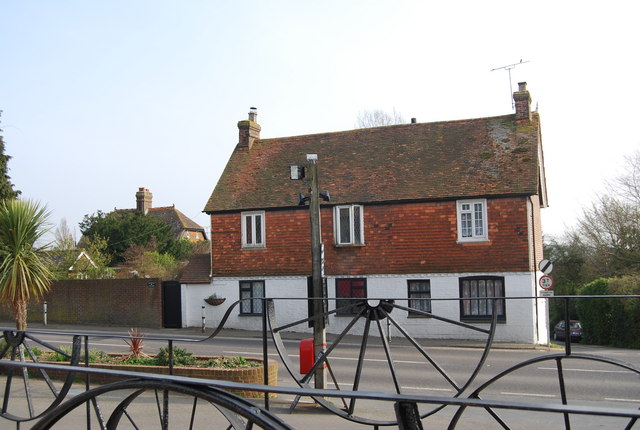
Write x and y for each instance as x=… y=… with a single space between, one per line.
x=172 y=217
x=198 y=270
x=425 y=161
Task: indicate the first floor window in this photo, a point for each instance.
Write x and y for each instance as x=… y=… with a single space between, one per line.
x=251 y=291
x=253 y=229
x=477 y=293
x=348 y=223
x=418 y=293
x=349 y=289
x=472 y=220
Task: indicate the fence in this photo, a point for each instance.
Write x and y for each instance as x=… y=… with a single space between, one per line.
x=197 y=400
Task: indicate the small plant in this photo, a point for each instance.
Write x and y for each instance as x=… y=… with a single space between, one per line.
x=231 y=362
x=135 y=343
x=181 y=357
x=63 y=354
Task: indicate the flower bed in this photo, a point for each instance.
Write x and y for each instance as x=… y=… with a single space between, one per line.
x=244 y=374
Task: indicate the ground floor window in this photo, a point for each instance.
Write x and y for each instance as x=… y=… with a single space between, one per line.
x=349 y=289
x=251 y=290
x=481 y=288
x=418 y=292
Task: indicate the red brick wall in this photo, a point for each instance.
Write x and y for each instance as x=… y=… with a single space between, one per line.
x=128 y=302
x=399 y=238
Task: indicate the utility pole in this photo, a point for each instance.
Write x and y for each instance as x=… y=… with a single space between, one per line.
x=319 y=331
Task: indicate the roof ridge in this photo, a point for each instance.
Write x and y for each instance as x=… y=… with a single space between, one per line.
x=356 y=130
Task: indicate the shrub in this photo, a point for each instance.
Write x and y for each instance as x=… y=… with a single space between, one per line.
x=181 y=357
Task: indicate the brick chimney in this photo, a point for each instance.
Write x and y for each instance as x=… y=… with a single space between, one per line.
x=143 y=200
x=522 y=99
x=249 y=130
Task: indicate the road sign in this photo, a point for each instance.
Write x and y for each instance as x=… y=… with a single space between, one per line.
x=546 y=293
x=546 y=266
x=546 y=282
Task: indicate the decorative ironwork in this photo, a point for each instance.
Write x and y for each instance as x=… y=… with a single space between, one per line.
x=45 y=405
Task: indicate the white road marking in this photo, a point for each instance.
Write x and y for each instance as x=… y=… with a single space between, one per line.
x=613 y=399
x=427 y=389
x=527 y=394
x=564 y=369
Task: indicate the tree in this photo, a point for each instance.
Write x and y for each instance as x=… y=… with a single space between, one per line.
x=610 y=229
x=6 y=187
x=124 y=229
x=24 y=274
x=64 y=251
x=378 y=118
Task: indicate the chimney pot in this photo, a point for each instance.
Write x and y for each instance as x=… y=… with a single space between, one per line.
x=413 y=121
x=253 y=114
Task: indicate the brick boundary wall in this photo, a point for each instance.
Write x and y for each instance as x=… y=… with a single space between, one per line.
x=245 y=375
x=120 y=302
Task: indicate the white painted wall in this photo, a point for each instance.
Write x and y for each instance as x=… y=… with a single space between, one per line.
x=526 y=321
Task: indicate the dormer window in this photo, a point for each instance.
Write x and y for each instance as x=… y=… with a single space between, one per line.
x=253 y=230
x=348 y=221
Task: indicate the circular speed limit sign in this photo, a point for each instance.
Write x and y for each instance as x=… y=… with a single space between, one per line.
x=546 y=282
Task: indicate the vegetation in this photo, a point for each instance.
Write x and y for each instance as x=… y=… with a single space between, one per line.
x=610 y=321
x=125 y=229
x=601 y=255
x=6 y=187
x=378 y=118
x=24 y=274
x=181 y=358
x=142 y=244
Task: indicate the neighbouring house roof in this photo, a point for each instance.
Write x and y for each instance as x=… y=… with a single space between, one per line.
x=83 y=256
x=496 y=156
x=198 y=270
x=171 y=216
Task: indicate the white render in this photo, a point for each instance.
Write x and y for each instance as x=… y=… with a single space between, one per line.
x=526 y=318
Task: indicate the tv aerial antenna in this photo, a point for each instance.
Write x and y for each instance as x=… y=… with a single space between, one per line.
x=508 y=68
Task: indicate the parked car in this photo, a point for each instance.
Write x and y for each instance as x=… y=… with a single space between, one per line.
x=575 y=330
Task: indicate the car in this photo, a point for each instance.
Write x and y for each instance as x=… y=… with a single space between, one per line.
x=575 y=329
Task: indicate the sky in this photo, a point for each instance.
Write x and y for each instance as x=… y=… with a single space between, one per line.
x=100 y=98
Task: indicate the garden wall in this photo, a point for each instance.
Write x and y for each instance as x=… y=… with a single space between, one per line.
x=121 y=302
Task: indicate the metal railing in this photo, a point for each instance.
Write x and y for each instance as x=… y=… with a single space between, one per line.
x=27 y=405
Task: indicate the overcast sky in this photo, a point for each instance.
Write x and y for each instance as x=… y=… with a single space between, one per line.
x=102 y=97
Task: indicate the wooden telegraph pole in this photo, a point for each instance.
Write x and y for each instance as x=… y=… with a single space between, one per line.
x=319 y=331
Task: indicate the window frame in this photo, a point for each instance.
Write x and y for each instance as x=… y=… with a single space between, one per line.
x=410 y=293
x=460 y=211
x=254 y=306
x=352 y=288
x=352 y=230
x=243 y=221
x=466 y=306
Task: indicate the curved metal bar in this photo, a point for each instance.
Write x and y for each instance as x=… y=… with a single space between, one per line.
x=218 y=397
x=303 y=383
x=18 y=340
x=443 y=319
x=551 y=357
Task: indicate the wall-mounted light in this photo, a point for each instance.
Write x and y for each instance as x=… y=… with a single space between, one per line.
x=297 y=172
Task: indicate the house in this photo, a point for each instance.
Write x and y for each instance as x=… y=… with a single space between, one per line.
x=182 y=226
x=443 y=210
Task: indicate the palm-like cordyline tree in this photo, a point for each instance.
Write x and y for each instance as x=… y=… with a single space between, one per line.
x=23 y=272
